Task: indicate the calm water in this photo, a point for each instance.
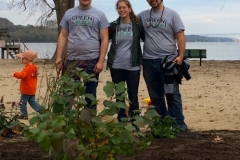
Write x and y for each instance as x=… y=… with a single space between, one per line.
x=218 y=50
x=215 y=50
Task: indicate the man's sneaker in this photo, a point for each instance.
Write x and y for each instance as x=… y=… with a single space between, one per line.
x=184 y=129
x=23 y=117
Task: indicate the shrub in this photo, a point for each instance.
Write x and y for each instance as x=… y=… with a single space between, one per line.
x=164 y=127
x=66 y=129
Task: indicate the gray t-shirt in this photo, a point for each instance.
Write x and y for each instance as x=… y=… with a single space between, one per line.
x=160 y=41
x=123 y=59
x=84 y=27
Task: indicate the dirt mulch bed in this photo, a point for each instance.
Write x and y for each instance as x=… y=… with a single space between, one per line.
x=210 y=145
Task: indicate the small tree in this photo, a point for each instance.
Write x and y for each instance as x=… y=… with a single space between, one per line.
x=68 y=130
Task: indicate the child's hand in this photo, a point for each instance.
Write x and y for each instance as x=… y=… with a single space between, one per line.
x=12 y=74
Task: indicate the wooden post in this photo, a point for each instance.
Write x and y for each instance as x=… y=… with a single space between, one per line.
x=2 y=56
x=7 y=56
x=200 y=55
x=189 y=54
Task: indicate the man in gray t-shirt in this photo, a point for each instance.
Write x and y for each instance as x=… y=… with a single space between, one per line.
x=84 y=34
x=164 y=35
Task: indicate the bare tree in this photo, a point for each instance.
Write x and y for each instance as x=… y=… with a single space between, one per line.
x=61 y=6
x=47 y=9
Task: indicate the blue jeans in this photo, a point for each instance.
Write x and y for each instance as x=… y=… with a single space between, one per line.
x=174 y=102
x=154 y=78
x=132 y=80
x=31 y=100
x=88 y=67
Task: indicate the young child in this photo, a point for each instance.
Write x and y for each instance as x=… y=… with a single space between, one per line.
x=28 y=84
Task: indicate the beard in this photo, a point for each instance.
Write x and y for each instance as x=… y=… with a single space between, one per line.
x=156 y=4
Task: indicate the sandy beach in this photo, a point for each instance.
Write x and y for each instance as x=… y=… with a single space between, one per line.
x=211 y=99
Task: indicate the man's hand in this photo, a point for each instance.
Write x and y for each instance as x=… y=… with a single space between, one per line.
x=178 y=60
x=181 y=43
x=98 y=67
x=58 y=65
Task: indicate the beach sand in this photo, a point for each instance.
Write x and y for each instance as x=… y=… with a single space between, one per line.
x=211 y=99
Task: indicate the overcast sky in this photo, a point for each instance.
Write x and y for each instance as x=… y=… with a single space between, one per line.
x=199 y=16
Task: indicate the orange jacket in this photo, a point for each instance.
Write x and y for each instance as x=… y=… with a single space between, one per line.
x=28 y=76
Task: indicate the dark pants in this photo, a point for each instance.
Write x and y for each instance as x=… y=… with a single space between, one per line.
x=132 y=80
x=154 y=78
x=88 y=67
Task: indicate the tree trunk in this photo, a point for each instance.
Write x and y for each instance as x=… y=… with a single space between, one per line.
x=61 y=7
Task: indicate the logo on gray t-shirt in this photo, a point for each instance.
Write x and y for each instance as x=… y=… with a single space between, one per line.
x=123 y=58
x=155 y=22
x=82 y=20
x=84 y=32
x=160 y=36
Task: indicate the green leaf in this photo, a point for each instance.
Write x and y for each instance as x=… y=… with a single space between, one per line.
x=34 y=130
x=109 y=89
x=66 y=88
x=139 y=121
x=125 y=136
x=83 y=74
x=121 y=96
x=121 y=105
x=41 y=136
x=76 y=85
x=45 y=116
x=109 y=112
x=65 y=78
x=93 y=80
x=82 y=90
x=71 y=133
x=120 y=88
x=52 y=123
x=96 y=120
x=57 y=107
x=79 y=69
x=45 y=145
x=151 y=113
x=108 y=103
x=62 y=100
x=90 y=96
x=81 y=147
x=130 y=128
x=148 y=121
x=57 y=140
x=42 y=125
x=34 y=120
x=83 y=101
x=27 y=134
x=86 y=115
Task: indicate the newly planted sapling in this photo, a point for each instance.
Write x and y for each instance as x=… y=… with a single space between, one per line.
x=69 y=130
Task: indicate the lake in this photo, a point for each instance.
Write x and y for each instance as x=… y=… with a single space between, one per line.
x=215 y=50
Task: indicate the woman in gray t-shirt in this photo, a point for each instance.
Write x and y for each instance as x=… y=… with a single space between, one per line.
x=125 y=55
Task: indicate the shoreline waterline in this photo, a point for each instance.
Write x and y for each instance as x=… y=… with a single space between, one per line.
x=215 y=50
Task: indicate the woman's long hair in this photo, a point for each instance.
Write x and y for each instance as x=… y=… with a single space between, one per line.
x=131 y=14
